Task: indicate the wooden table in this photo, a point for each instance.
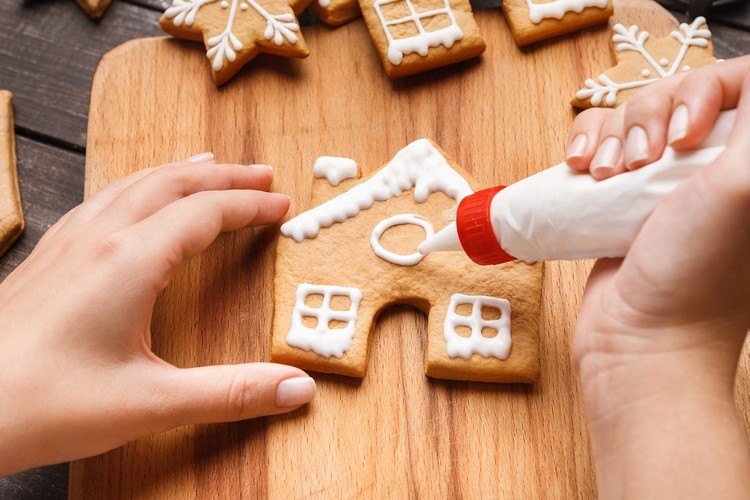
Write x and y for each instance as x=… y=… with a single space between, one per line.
x=48 y=53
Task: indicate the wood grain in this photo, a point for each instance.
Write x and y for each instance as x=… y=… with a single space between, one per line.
x=48 y=51
x=395 y=433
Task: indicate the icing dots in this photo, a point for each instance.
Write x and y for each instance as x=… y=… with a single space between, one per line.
x=488 y=337
x=558 y=8
x=419 y=166
x=335 y=169
x=332 y=330
x=633 y=39
x=423 y=40
x=392 y=257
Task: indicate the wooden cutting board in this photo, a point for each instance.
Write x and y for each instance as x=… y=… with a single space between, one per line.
x=395 y=433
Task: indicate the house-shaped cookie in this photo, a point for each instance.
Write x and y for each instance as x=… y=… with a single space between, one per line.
x=344 y=261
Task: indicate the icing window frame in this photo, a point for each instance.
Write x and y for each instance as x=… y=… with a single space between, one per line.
x=464 y=347
x=322 y=339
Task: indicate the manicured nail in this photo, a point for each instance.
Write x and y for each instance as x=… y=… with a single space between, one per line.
x=295 y=391
x=636 y=146
x=261 y=167
x=201 y=158
x=607 y=155
x=577 y=147
x=678 y=124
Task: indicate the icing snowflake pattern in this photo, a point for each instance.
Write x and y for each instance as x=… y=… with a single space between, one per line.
x=224 y=46
x=633 y=39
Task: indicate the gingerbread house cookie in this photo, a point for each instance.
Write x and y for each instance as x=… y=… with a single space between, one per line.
x=354 y=254
x=534 y=20
x=11 y=211
x=335 y=12
x=412 y=36
x=641 y=61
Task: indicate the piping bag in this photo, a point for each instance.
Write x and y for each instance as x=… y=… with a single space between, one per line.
x=560 y=214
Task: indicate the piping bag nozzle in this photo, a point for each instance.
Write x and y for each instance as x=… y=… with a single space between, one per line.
x=444 y=240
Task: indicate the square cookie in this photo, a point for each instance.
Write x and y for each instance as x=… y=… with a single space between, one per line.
x=534 y=20
x=412 y=36
x=353 y=254
x=335 y=12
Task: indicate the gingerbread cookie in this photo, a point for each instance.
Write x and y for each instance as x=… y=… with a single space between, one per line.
x=11 y=211
x=235 y=31
x=335 y=12
x=534 y=20
x=416 y=35
x=641 y=61
x=94 y=8
x=342 y=262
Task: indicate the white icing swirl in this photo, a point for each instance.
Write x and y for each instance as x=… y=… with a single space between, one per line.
x=392 y=257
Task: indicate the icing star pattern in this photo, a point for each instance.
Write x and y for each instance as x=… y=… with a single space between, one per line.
x=235 y=31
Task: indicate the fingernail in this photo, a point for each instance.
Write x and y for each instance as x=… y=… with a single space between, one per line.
x=295 y=391
x=678 y=124
x=607 y=155
x=203 y=157
x=577 y=147
x=261 y=167
x=636 y=146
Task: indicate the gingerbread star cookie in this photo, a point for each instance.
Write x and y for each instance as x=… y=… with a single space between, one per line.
x=417 y=35
x=534 y=20
x=11 y=212
x=235 y=31
x=354 y=254
x=641 y=61
x=94 y=8
x=335 y=12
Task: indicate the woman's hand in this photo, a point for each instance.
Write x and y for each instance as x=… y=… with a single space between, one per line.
x=659 y=333
x=78 y=374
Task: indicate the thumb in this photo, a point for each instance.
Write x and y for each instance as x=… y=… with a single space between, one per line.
x=227 y=393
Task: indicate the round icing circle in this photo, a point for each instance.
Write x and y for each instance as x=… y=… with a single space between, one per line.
x=398 y=220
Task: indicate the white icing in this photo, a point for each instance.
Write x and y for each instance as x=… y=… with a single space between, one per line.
x=464 y=347
x=335 y=169
x=392 y=257
x=322 y=339
x=645 y=73
x=224 y=46
x=632 y=40
x=423 y=40
x=324 y=3
x=686 y=68
x=558 y=8
x=418 y=166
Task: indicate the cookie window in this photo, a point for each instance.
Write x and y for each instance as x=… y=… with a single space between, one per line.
x=324 y=326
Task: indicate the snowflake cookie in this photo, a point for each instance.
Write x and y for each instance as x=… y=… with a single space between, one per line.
x=353 y=254
x=534 y=20
x=335 y=12
x=235 y=31
x=641 y=61
x=11 y=212
x=412 y=36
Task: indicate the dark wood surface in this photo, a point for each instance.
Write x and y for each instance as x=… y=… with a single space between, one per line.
x=49 y=50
